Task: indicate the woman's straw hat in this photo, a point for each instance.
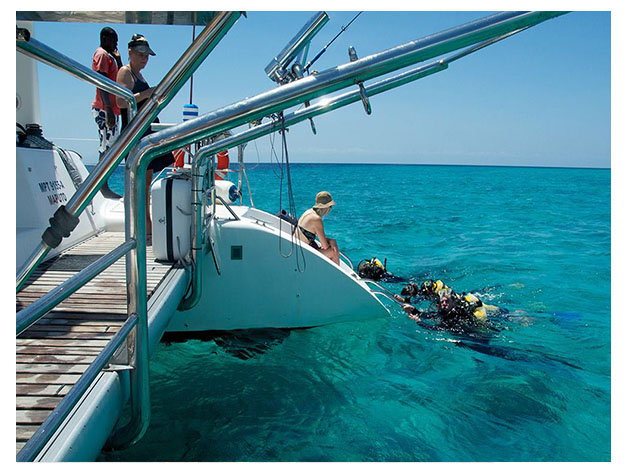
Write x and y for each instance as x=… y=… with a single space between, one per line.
x=324 y=200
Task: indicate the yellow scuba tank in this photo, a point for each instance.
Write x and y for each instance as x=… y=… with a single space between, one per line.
x=480 y=314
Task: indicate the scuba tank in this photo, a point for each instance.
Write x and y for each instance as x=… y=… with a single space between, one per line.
x=372 y=269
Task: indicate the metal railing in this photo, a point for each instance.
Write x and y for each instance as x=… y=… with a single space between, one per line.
x=382 y=290
x=39 y=51
x=199 y=168
x=377 y=285
x=348 y=261
x=38 y=441
x=136 y=281
x=28 y=316
x=378 y=292
x=332 y=103
x=135 y=183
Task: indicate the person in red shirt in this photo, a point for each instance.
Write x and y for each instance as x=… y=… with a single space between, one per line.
x=106 y=61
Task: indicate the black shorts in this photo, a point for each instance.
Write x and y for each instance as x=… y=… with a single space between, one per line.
x=161 y=162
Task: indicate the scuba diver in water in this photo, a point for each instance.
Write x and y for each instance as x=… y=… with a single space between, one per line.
x=374 y=269
x=466 y=316
x=451 y=308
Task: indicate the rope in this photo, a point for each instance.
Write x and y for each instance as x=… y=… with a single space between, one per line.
x=291 y=204
x=273 y=152
x=250 y=195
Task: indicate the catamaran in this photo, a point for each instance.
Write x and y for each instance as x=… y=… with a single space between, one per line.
x=94 y=296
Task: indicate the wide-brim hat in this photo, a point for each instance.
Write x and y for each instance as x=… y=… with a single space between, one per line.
x=324 y=200
x=140 y=44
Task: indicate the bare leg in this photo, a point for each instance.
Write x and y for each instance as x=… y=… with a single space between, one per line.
x=336 y=250
x=332 y=252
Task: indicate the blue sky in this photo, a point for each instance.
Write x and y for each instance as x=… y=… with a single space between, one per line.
x=540 y=98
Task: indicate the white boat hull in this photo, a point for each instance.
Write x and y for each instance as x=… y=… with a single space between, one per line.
x=263 y=289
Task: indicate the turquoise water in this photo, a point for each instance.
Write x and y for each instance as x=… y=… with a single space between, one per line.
x=533 y=240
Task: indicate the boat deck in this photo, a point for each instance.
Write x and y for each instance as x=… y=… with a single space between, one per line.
x=53 y=354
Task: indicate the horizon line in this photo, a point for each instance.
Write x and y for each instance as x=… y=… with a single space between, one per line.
x=424 y=165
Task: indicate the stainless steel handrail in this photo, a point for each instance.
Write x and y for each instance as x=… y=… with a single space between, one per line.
x=38 y=441
x=199 y=164
x=278 y=99
x=332 y=103
x=31 y=47
x=378 y=292
x=350 y=263
x=198 y=218
x=161 y=96
x=228 y=207
x=135 y=183
x=376 y=284
x=28 y=316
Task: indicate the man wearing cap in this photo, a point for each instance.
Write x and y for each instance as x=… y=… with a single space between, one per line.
x=310 y=226
x=106 y=61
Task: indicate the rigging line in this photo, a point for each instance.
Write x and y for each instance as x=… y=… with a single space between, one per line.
x=292 y=205
x=258 y=157
x=250 y=195
x=323 y=50
x=273 y=152
x=282 y=132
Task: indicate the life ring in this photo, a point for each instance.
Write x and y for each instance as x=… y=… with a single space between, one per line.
x=223 y=165
x=179 y=157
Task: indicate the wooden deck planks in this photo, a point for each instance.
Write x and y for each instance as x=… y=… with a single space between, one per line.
x=51 y=350
x=28 y=378
x=54 y=358
x=36 y=416
x=53 y=354
x=42 y=389
x=25 y=432
x=39 y=402
x=59 y=368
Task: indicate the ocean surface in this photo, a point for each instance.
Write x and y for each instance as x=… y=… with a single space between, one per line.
x=533 y=240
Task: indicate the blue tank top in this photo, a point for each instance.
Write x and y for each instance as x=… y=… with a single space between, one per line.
x=139 y=85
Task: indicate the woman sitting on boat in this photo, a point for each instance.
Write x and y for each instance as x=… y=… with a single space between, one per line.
x=310 y=225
